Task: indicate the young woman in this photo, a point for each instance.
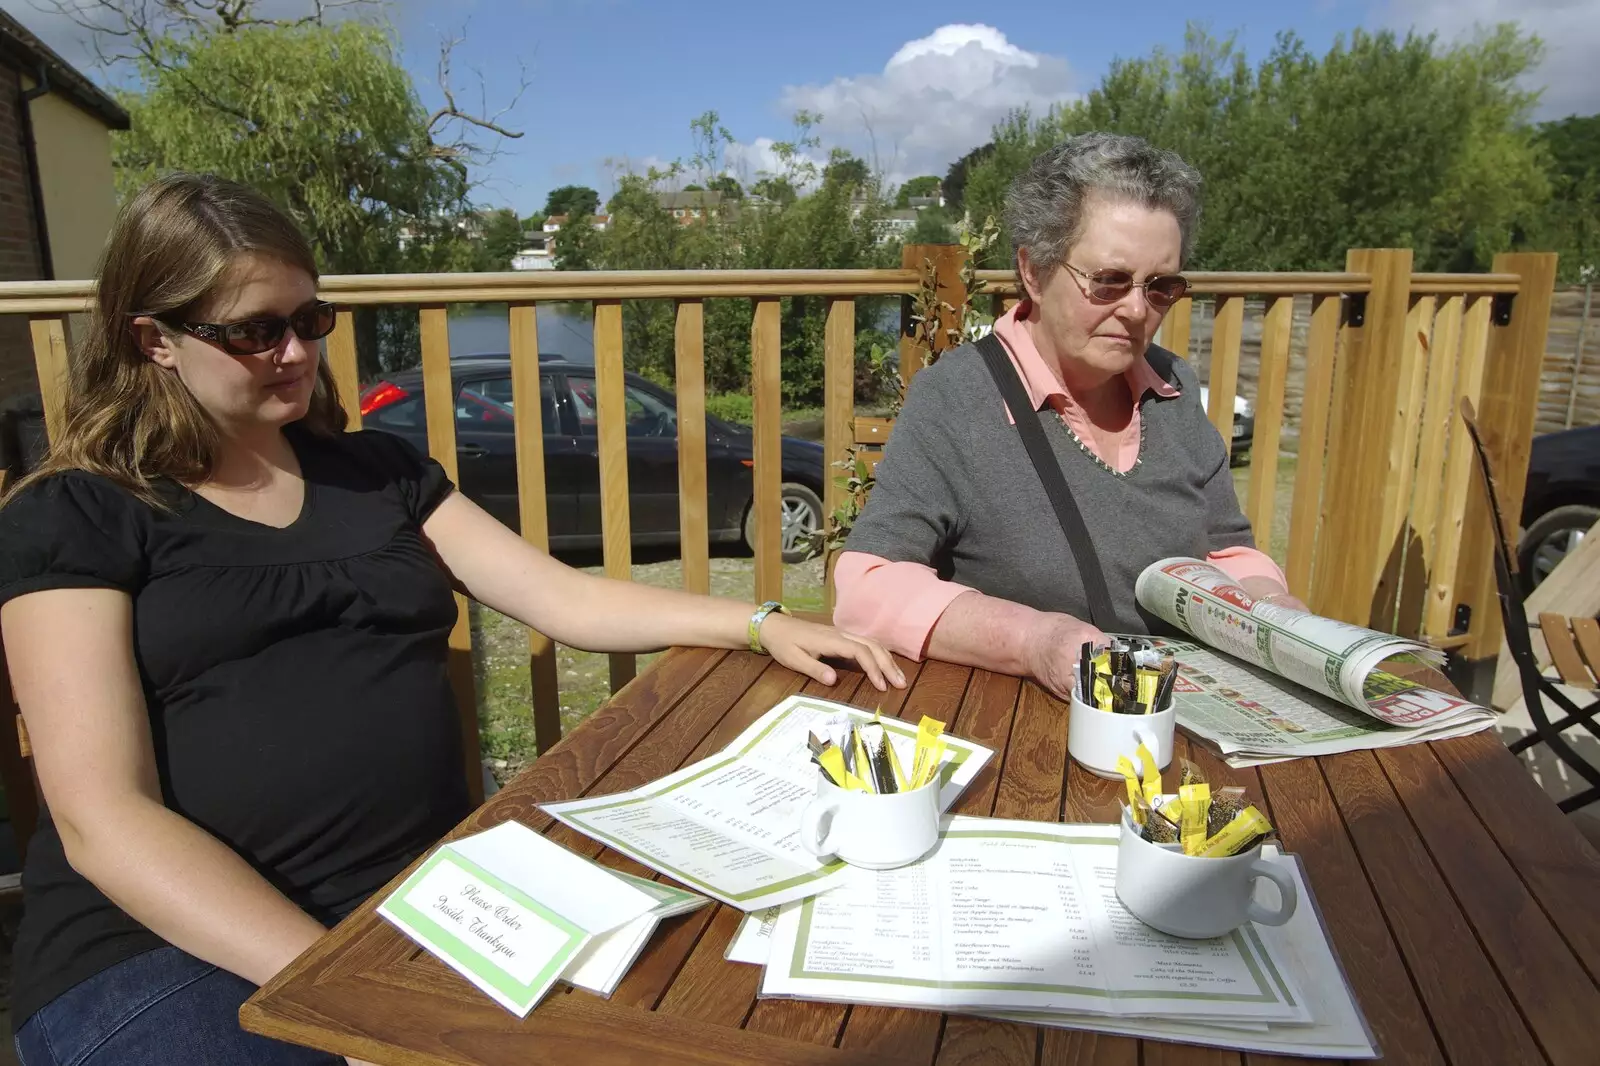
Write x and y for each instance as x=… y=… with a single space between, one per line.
x=226 y=622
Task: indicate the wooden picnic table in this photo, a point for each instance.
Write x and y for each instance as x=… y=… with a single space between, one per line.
x=1462 y=904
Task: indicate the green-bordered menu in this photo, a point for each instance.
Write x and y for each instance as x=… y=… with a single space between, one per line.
x=728 y=825
x=1009 y=915
x=511 y=911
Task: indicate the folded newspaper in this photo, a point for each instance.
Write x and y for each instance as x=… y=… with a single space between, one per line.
x=1272 y=683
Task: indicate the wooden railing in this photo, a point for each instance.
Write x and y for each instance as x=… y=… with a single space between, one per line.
x=1385 y=527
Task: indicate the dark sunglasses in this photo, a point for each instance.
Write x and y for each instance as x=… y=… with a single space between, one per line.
x=1109 y=286
x=252 y=336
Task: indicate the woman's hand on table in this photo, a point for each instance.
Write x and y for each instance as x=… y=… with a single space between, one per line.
x=801 y=646
x=1053 y=651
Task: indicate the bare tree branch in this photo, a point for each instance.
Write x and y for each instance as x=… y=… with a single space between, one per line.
x=144 y=24
x=462 y=148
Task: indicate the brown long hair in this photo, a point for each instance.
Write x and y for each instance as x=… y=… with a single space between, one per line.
x=170 y=250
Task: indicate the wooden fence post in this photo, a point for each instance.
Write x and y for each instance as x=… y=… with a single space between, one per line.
x=947 y=260
x=1506 y=412
x=441 y=403
x=1363 y=483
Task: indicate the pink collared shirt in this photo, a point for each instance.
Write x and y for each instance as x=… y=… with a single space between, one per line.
x=899 y=603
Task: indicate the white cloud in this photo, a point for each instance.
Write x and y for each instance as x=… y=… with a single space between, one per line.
x=1570 y=30
x=937 y=98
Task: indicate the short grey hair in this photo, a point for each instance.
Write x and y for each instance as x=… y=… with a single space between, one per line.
x=1045 y=209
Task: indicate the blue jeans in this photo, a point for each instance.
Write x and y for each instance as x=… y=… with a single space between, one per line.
x=160 y=1008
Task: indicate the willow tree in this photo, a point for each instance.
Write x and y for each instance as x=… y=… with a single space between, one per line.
x=313 y=110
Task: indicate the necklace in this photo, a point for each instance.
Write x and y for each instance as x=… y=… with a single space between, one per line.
x=1101 y=463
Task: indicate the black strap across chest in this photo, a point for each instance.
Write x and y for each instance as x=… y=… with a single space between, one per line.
x=1055 y=483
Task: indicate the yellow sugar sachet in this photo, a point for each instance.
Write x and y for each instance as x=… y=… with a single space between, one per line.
x=928 y=732
x=1172 y=811
x=1148 y=680
x=862 y=759
x=931 y=769
x=1131 y=776
x=832 y=761
x=1194 y=802
x=1246 y=826
x=1102 y=692
x=1152 y=775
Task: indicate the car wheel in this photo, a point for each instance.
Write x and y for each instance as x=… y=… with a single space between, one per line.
x=802 y=516
x=1553 y=535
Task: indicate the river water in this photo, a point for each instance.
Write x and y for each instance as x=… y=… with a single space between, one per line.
x=487 y=331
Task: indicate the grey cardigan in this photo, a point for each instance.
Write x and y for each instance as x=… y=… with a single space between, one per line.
x=956 y=491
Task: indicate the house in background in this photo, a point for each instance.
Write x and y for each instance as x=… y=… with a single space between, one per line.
x=692 y=205
x=57 y=196
x=539 y=248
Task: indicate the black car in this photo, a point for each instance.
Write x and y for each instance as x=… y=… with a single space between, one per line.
x=486 y=451
x=1561 y=501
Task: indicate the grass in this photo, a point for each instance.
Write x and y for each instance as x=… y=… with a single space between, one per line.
x=500 y=653
x=1282 y=501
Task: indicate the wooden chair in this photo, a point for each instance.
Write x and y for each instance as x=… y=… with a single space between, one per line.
x=1574 y=646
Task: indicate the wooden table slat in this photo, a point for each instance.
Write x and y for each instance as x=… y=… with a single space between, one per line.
x=1555 y=996
x=1031 y=787
x=1560 y=867
x=936 y=690
x=1077 y=1047
x=986 y=714
x=1304 y=813
x=573 y=765
x=709 y=988
x=1474 y=1019
x=1460 y=901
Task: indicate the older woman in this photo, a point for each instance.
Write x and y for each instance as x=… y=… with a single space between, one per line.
x=959 y=554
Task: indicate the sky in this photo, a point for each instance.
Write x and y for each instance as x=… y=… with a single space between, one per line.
x=910 y=87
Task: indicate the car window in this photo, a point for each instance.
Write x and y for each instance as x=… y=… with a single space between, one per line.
x=475 y=410
x=647 y=415
x=407 y=414
x=490 y=401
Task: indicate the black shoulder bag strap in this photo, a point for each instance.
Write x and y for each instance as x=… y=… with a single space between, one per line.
x=1055 y=483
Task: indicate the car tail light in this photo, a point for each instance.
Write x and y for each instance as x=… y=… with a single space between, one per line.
x=380 y=396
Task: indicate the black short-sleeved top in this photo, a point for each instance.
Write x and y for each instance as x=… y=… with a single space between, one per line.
x=295 y=679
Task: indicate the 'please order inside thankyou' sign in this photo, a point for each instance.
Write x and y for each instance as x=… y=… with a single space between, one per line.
x=508 y=910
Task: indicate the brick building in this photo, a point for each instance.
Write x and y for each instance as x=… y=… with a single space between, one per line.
x=57 y=196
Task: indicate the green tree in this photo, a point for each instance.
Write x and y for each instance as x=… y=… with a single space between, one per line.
x=1381 y=141
x=325 y=121
x=502 y=238
x=807 y=223
x=1570 y=224
x=925 y=185
x=778 y=190
x=954 y=185
x=574 y=201
x=933 y=226
x=847 y=170
x=320 y=117
x=727 y=185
